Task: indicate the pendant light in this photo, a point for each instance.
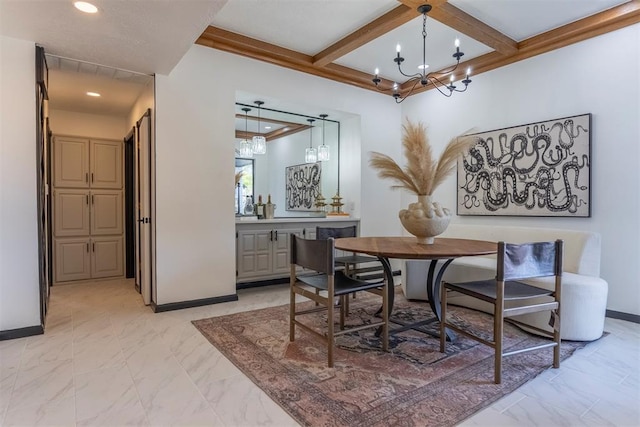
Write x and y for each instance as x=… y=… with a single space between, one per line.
x=310 y=155
x=259 y=141
x=323 y=150
x=245 y=146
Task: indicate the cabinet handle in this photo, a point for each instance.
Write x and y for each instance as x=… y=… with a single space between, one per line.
x=271 y=236
x=87 y=247
x=276 y=235
x=87 y=199
x=86 y=177
x=93 y=247
x=91 y=176
x=92 y=199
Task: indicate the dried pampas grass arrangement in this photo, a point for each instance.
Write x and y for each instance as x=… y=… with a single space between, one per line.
x=238 y=177
x=422 y=173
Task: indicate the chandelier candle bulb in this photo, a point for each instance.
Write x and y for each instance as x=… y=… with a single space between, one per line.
x=457 y=43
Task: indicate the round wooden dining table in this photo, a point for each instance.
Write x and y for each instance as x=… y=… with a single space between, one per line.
x=445 y=249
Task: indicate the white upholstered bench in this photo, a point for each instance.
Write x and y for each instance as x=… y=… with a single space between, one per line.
x=584 y=293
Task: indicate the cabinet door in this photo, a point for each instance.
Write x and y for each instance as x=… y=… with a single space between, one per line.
x=73 y=261
x=254 y=253
x=71 y=162
x=106 y=212
x=106 y=164
x=282 y=249
x=71 y=212
x=106 y=257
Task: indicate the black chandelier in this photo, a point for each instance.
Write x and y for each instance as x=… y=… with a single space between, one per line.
x=422 y=77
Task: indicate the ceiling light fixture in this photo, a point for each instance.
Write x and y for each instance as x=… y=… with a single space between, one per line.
x=422 y=77
x=95 y=94
x=310 y=155
x=246 y=149
x=85 y=7
x=323 y=150
x=259 y=141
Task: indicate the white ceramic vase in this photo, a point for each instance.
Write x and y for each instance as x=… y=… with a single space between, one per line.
x=425 y=219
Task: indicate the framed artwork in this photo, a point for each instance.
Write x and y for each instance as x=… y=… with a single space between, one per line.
x=538 y=169
x=302 y=186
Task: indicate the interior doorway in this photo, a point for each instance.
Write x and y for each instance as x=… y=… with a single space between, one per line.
x=126 y=95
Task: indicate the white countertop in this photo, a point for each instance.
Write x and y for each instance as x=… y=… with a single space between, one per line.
x=295 y=219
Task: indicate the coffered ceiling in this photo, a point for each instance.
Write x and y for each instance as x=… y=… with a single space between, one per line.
x=346 y=40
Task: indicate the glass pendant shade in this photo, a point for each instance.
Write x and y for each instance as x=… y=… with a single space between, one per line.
x=259 y=144
x=310 y=155
x=246 y=149
x=323 y=152
x=246 y=146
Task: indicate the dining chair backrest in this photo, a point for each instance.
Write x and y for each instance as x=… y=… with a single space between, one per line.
x=529 y=260
x=317 y=255
x=323 y=233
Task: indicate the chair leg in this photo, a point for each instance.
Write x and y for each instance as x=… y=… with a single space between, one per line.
x=292 y=314
x=498 y=318
x=443 y=318
x=385 y=316
x=330 y=332
x=343 y=309
x=556 y=338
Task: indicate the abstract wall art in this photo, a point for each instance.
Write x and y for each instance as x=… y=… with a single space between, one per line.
x=538 y=169
x=302 y=186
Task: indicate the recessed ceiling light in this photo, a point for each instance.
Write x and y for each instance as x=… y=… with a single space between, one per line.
x=93 y=94
x=85 y=7
x=267 y=127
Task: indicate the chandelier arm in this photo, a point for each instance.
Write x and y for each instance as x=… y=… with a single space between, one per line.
x=411 y=76
x=443 y=72
x=437 y=83
x=417 y=79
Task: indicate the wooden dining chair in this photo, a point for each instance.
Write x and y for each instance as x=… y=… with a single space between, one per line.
x=318 y=256
x=350 y=261
x=515 y=262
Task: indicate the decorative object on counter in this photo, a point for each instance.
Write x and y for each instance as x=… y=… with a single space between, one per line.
x=323 y=150
x=246 y=149
x=310 y=154
x=538 y=169
x=424 y=219
x=248 y=206
x=259 y=207
x=321 y=206
x=336 y=206
x=302 y=186
x=259 y=142
x=435 y=77
x=269 y=208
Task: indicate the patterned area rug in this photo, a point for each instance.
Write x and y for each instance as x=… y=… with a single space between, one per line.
x=411 y=385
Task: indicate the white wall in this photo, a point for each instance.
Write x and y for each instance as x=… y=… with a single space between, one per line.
x=195 y=152
x=598 y=76
x=19 y=287
x=87 y=125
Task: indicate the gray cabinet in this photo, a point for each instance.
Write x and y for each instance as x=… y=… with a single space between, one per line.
x=264 y=254
x=88 y=208
x=263 y=246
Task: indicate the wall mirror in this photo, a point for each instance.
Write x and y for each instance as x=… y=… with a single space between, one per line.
x=244 y=185
x=288 y=135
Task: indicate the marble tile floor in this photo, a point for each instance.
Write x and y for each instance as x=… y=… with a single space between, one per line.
x=106 y=359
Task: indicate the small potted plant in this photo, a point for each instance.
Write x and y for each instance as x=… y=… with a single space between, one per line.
x=421 y=176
